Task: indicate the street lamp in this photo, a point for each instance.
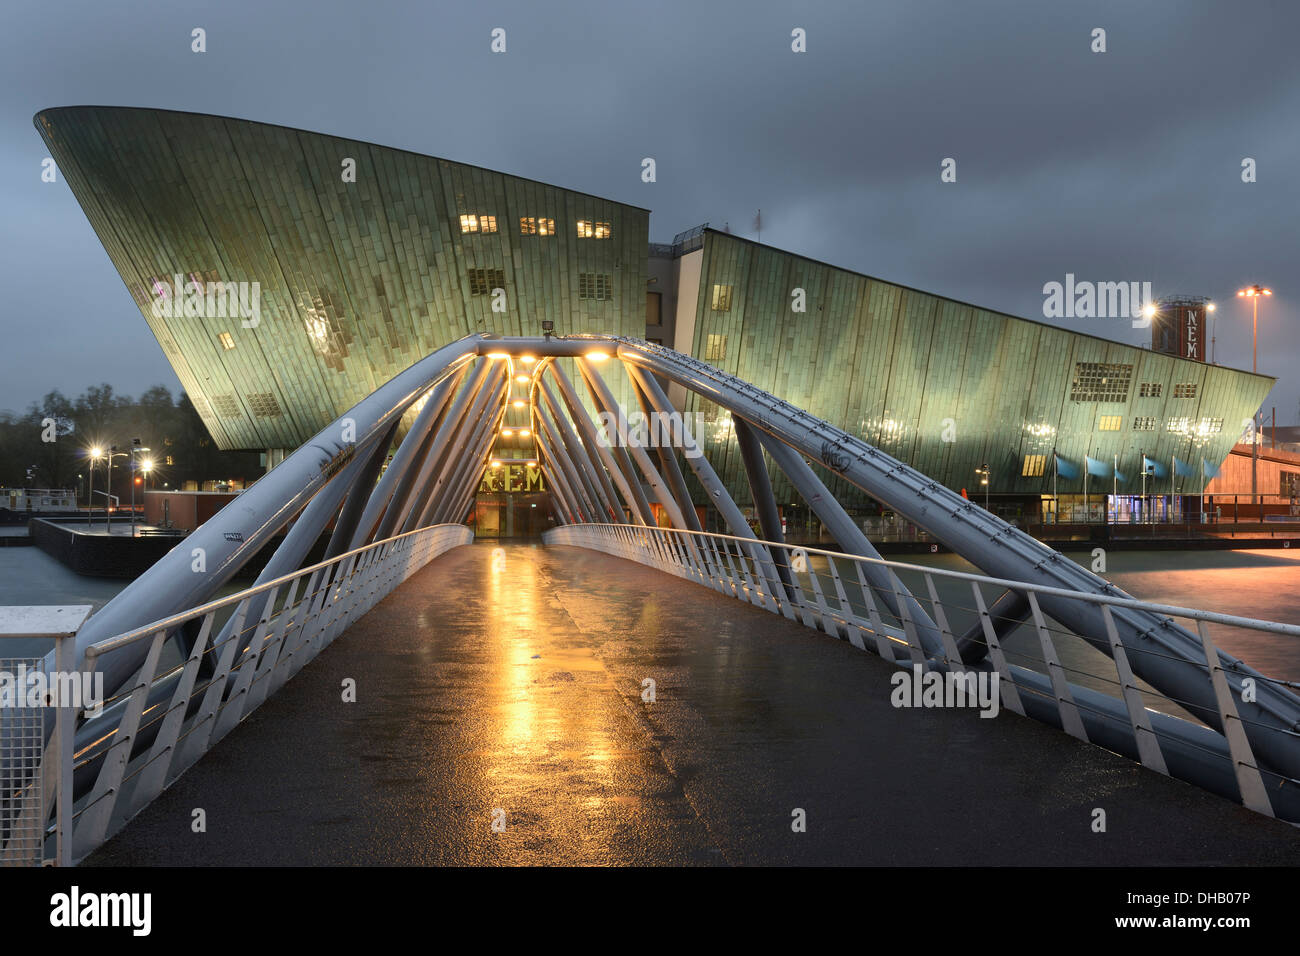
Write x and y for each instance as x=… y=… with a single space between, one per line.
x=1209 y=313
x=984 y=471
x=108 y=495
x=94 y=453
x=1254 y=292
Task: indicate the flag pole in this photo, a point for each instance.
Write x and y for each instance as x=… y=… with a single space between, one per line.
x=1114 y=485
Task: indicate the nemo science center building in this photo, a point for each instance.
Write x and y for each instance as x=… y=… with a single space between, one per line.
x=343 y=263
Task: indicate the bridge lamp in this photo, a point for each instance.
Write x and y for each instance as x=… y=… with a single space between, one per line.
x=522 y=379
x=498 y=355
x=496 y=464
x=531 y=463
x=518 y=403
x=524 y=433
x=527 y=359
x=507 y=432
x=596 y=356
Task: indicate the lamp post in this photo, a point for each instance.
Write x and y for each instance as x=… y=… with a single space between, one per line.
x=1209 y=314
x=1254 y=292
x=90 y=495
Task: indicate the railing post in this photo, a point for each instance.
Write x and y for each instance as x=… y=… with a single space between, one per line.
x=1071 y=722
x=1249 y=781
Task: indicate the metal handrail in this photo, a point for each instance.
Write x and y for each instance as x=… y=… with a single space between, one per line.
x=1172 y=610
x=149 y=630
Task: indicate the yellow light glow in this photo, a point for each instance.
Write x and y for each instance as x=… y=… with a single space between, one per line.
x=506 y=432
x=1150 y=310
x=532 y=464
x=498 y=355
x=522 y=379
x=96 y=452
x=597 y=356
x=1210 y=307
x=527 y=359
x=524 y=433
x=519 y=403
x=496 y=464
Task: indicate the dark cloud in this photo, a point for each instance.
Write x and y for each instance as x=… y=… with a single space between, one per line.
x=1115 y=166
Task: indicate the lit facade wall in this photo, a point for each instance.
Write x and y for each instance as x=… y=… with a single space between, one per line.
x=357 y=280
x=945 y=386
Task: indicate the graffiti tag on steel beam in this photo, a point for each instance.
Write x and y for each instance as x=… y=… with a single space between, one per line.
x=833 y=458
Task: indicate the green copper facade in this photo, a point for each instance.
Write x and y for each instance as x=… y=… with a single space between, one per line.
x=947 y=387
x=357 y=279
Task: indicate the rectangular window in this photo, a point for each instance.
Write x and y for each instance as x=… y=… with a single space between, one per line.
x=533 y=226
x=722 y=298
x=1033 y=467
x=715 y=348
x=487 y=223
x=1185 y=390
x=1290 y=484
x=468 y=222
x=1210 y=426
x=1177 y=425
x=483 y=281
x=1109 y=423
x=227 y=340
x=1100 y=382
x=585 y=228
x=1151 y=389
x=595 y=285
x=603 y=231
x=1144 y=423
x=169 y=461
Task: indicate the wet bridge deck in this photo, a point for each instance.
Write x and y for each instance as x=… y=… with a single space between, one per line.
x=515 y=684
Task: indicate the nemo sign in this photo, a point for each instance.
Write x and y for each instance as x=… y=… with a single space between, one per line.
x=512 y=478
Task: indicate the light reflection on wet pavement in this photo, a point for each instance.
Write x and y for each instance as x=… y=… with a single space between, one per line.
x=510 y=690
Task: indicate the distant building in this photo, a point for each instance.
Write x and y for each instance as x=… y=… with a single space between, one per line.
x=1178 y=327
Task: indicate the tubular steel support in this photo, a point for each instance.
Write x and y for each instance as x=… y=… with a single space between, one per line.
x=632 y=502
x=851 y=540
x=760 y=487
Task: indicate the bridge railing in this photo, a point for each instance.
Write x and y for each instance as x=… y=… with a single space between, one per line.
x=1043 y=669
x=206 y=669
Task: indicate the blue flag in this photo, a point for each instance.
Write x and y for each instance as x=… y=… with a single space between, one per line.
x=1153 y=467
x=1066 y=469
x=1097 y=468
x=1182 y=469
x=1208 y=470
x=1119 y=475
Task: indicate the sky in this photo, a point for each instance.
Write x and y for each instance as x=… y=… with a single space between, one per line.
x=1122 y=165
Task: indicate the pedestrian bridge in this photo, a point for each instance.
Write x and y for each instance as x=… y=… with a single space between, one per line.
x=629 y=692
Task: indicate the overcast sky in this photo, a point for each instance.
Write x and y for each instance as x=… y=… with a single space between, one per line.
x=1115 y=166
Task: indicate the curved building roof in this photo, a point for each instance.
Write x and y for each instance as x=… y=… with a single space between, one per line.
x=353 y=278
